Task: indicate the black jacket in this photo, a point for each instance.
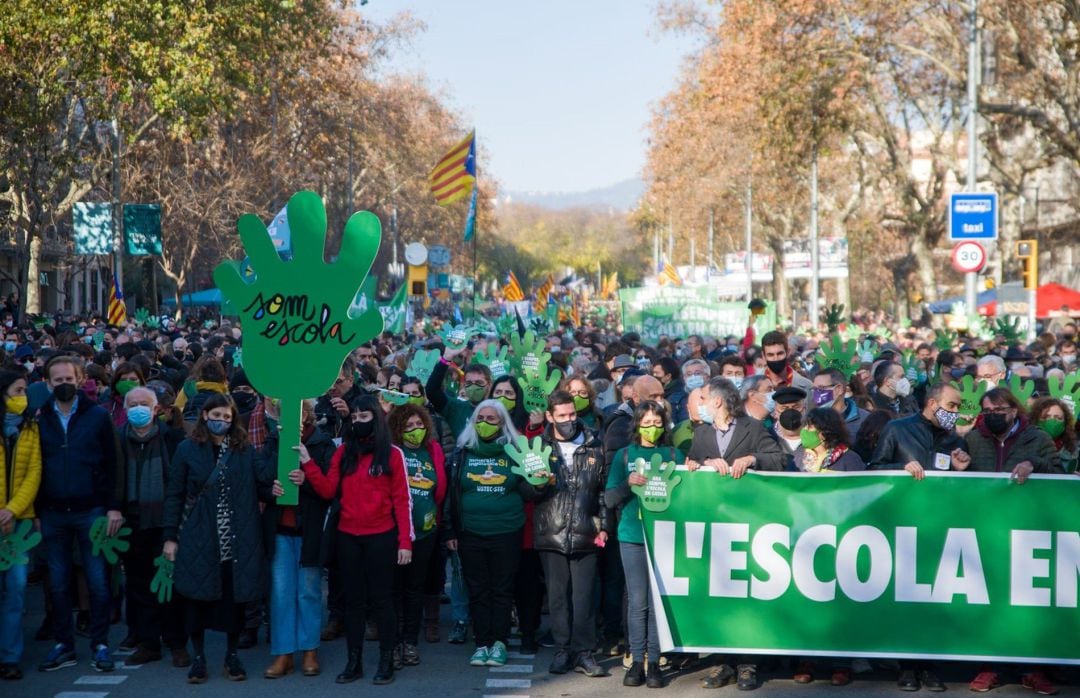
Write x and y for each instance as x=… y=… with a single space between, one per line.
x=570 y=513
x=750 y=439
x=329 y=419
x=310 y=507
x=912 y=438
x=78 y=466
x=618 y=430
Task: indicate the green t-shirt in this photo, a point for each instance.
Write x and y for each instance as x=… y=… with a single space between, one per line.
x=422 y=483
x=622 y=464
x=490 y=501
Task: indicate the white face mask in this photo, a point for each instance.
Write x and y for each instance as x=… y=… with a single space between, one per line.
x=903 y=387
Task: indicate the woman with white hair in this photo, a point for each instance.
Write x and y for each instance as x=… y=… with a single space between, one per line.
x=487 y=515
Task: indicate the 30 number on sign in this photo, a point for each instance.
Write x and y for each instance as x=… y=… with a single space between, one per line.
x=968 y=257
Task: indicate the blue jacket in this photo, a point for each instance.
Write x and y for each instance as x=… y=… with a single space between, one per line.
x=78 y=467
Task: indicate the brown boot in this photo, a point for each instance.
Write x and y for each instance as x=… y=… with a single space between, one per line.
x=431 y=618
x=333 y=630
x=283 y=666
x=311 y=663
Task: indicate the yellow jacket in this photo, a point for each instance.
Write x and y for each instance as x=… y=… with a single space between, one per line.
x=25 y=473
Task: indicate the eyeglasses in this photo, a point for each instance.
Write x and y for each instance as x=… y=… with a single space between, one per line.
x=475 y=384
x=997 y=410
x=489 y=420
x=579 y=393
x=824 y=387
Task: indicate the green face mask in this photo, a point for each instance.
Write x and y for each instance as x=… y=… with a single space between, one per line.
x=418 y=401
x=651 y=434
x=1053 y=427
x=125 y=387
x=810 y=439
x=581 y=403
x=414 y=437
x=507 y=402
x=475 y=393
x=487 y=431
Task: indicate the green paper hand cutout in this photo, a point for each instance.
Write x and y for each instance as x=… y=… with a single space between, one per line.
x=971 y=392
x=838 y=354
x=295 y=314
x=914 y=369
x=868 y=350
x=15 y=546
x=540 y=324
x=533 y=459
x=539 y=386
x=238 y=358
x=423 y=363
x=905 y=323
x=655 y=495
x=1008 y=328
x=834 y=317
x=456 y=337
x=101 y=543
x=851 y=332
x=885 y=334
x=506 y=324
x=944 y=339
x=528 y=355
x=1021 y=389
x=394 y=397
x=162 y=583
x=1068 y=391
x=141 y=316
x=494 y=357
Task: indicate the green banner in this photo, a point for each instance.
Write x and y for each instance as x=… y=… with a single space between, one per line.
x=142 y=228
x=957 y=566
x=671 y=311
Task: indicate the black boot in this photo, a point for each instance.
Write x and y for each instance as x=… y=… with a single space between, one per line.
x=656 y=679
x=635 y=675
x=385 y=673
x=354 y=669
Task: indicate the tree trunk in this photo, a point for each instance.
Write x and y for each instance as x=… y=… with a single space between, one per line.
x=32 y=288
x=924 y=267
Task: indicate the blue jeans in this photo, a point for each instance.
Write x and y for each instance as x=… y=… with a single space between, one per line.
x=459 y=595
x=295 y=599
x=642 y=632
x=61 y=530
x=12 y=595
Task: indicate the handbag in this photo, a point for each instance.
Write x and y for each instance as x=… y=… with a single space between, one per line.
x=193 y=500
x=328 y=543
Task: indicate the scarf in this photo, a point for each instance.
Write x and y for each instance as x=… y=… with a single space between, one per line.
x=146 y=459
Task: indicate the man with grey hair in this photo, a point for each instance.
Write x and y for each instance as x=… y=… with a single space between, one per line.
x=990 y=368
x=695 y=374
x=757 y=397
x=147 y=445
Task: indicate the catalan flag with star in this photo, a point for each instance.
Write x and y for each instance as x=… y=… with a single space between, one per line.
x=540 y=303
x=670 y=275
x=117 y=309
x=512 y=290
x=455 y=175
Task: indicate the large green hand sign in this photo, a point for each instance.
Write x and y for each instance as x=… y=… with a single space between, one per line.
x=1068 y=391
x=14 y=546
x=295 y=314
x=101 y=543
x=533 y=460
x=494 y=357
x=423 y=363
x=529 y=355
x=162 y=582
x=539 y=386
x=838 y=354
x=1021 y=389
x=655 y=495
x=971 y=392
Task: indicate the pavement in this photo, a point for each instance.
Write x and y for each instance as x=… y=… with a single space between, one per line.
x=444 y=672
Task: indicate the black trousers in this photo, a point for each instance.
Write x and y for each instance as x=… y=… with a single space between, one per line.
x=410 y=583
x=367 y=568
x=148 y=620
x=612 y=590
x=335 y=593
x=529 y=592
x=489 y=564
x=570 y=581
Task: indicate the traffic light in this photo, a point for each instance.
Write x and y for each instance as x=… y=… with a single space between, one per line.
x=1028 y=252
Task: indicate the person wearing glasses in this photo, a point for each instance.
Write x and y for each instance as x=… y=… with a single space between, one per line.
x=581 y=389
x=829 y=391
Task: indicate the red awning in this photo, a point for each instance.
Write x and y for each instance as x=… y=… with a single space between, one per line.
x=1053 y=300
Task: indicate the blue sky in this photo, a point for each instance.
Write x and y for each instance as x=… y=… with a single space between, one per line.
x=559 y=91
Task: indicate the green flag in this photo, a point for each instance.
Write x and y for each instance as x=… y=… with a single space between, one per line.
x=393 y=312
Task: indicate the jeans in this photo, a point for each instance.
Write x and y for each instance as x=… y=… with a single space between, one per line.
x=459 y=595
x=642 y=633
x=60 y=531
x=367 y=567
x=569 y=586
x=295 y=599
x=411 y=579
x=148 y=619
x=12 y=595
x=489 y=564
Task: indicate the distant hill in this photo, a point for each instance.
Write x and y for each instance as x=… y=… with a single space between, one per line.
x=622 y=196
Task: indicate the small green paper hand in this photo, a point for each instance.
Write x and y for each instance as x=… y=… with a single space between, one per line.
x=1021 y=389
x=838 y=354
x=15 y=546
x=885 y=334
x=506 y=325
x=494 y=357
x=528 y=354
x=141 y=316
x=655 y=495
x=162 y=582
x=1008 y=328
x=394 y=397
x=1068 y=391
x=905 y=323
x=851 y=332
x=945 y=339
x=540 y=324
x=539 y=386
x=868 y=350
x=834 y=317
x=456 y=337
x=423 y=363
x=914 y=369
x=971 y=392
x=533 y=459
x=110 y=547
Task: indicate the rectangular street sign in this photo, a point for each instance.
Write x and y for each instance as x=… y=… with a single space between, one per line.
x=973 y=216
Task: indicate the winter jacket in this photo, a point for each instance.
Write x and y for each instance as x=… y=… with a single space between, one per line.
x=750 y=439
x=618 y=429
x=677 y=395
x=1025 y=443
x=903 y=406
x=203 y=391
x=329 y=419
x=310 y=509
x=198 y=557
x=848 y=461
x=913 y=438
x=79 y=466
x=21 y=475
x=570 y=513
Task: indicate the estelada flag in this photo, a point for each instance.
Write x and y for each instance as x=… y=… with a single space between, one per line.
x=453 y=178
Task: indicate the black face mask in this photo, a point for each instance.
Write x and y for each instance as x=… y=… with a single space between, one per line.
x=567 y=430
x=363 y=430
x=791 y=419
x=777 y=367
x=245 y=402
x=998 y=424
x=65 y=392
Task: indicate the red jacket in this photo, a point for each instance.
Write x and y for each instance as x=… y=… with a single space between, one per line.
x=438 y=461
x=369 y=505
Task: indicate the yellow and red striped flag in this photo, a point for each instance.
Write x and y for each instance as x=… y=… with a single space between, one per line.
x=540 y=303
x=455 y=175
x=117 y=309
x=670 y=275
x=512 y=290
x=611 y=286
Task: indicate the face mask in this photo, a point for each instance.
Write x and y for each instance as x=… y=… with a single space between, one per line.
x=581 y=403
x=414 y=437
x=1053 y=427
x=903 y=387
x=651 y=434
x=475 y=393
x=486 y=431
x=245 y=402
x=946 y=419
x=790 y=419
x=770 y=403
x=810 y=439
x=15 y=405
x=508 y=403
x=29 y=366
x=9 y=347
x=140 y=416
x=125 y=387
x=218 y=427
x=644 y=364
x=957 y=373
x=822 y=397
x=363 y=430
x=417 y=400
x=566 y=430
x=1068 y=358
x=736 y=381
x=694 y=382
x=65 y=392
x=777 y=367
x=998 y=424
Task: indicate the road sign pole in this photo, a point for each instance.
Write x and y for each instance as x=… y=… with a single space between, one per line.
x=971 y=278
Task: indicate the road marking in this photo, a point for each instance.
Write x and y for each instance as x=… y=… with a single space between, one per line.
x=125 y=665
x=513 y=669
x=100 y=680
x=518 y=655
x=91 y=694
x=508 y=683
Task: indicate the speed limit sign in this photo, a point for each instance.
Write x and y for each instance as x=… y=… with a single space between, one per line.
x=968 y=257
